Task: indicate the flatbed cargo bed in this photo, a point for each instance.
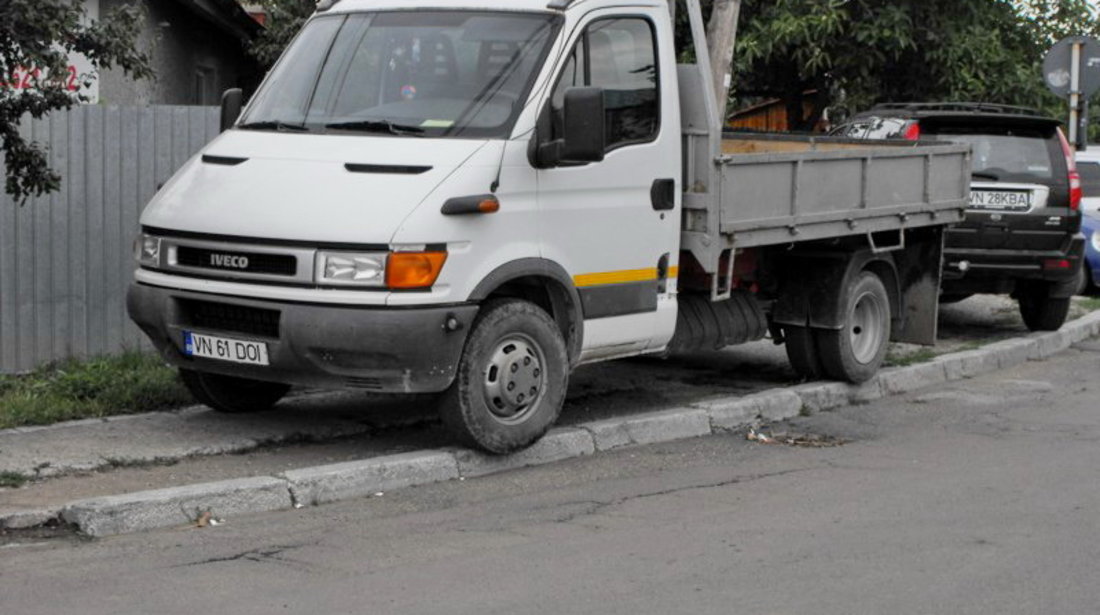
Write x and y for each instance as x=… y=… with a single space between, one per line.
x=775 y=188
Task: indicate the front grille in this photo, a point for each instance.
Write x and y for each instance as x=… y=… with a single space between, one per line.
x=233 y=318
x=204 y=258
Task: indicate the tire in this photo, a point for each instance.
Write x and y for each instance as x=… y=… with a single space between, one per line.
x=233 y=395
x=515 y=351
x=1039 y=310
x=856 y=350
x=802 y=352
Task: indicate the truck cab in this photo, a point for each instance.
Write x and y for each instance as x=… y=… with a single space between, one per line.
x=379 y=188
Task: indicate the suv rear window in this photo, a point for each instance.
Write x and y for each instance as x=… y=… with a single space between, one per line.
x=1006 y=153
x=1090 y=177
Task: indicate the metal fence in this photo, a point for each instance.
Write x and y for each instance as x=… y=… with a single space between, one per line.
x=65 y=259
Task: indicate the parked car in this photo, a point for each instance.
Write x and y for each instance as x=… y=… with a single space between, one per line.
x=1088 y=165
x=1022 y=234
x=1090 y=224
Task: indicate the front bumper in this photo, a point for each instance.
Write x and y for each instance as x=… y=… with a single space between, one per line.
x=383 y=349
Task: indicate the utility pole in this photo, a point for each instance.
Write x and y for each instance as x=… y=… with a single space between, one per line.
x=721 y=38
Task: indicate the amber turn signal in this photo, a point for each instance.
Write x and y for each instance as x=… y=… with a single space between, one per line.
x=414 y=269
x=478 y=204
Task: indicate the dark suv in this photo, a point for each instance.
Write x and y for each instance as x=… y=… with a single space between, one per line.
x=1021 y=235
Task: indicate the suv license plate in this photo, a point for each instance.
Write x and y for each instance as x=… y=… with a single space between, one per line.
x=224 y=349
x=1001 y=200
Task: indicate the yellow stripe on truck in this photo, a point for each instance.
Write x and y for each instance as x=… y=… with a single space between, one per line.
x=614 y=277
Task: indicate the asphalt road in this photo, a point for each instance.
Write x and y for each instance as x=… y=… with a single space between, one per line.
x=978 y=497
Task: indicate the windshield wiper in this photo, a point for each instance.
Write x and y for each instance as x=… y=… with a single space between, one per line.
x=984 y=175
x=378 y=126
x=273 y=125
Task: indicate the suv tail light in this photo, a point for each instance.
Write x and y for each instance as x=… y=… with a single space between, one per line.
x=1074 y=176
x=912 y=132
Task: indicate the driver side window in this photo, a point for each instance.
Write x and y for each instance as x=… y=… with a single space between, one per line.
x=618 y=55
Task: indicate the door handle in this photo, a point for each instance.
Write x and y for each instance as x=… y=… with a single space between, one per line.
x=662 y=195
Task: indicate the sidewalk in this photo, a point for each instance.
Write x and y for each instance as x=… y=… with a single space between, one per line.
x=325 y=447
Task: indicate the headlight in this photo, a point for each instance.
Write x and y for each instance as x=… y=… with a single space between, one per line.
x=147 y=250
x=1095 y=240
x=350 y=269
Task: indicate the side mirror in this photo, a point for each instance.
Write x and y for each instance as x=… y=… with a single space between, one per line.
x=584 y=125
x=232 y=101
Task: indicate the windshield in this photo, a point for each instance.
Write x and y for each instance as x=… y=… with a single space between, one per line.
x=408 y=73
x=1007 y=153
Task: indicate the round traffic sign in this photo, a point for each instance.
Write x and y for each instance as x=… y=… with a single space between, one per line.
x=1058 y=66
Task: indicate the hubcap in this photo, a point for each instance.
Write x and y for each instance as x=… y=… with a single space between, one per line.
x=867 y=326
x=515 y=378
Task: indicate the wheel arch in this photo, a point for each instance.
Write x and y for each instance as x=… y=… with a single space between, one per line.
x=813 y=293
x=546 y=284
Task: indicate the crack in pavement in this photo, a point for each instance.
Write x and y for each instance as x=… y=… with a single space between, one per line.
x=593 y=507
x=261 y=555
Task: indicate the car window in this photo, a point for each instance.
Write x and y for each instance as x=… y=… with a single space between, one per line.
x=852 y=130
x=886 y=128
x=1006 y=153
x=1090 y=178
x=618 y=55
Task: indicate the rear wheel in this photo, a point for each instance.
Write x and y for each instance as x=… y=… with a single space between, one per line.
x=511 y=380
x=232 y=395
x=856 y=350
x=1040 y=311
x=802 y=352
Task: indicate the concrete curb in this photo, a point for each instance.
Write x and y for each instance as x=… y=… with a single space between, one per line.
x=330 y=483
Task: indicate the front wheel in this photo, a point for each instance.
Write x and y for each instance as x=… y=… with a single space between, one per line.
x=511 y=379
x=856 y=350
x=232 y=395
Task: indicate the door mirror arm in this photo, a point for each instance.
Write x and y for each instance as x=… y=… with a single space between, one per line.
x=232 y=102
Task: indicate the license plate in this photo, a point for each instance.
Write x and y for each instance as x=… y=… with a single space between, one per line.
x=224 y=349
x=1001 y=200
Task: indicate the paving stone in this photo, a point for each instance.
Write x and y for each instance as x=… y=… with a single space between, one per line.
x=146 y=510
x=23 y=519
x=912 y=378
x=1011 y=353
x=1050 y=344
x=558 y=444
x=650 y=428
x=823 y=396
x=342 y=481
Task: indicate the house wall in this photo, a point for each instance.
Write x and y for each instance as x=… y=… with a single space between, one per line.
x=183 y=47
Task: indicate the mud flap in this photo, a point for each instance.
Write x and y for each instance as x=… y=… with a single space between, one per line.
x=920 y=269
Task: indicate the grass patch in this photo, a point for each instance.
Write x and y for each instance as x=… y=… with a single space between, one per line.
x=124 y=384
x=12 y=479
x=911 y=358
x=1090 y=303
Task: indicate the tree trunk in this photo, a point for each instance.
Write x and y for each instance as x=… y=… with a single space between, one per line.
x=721 y=38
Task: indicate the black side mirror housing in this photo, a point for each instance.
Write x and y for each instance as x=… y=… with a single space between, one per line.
x=584 y=126
x=232 y=102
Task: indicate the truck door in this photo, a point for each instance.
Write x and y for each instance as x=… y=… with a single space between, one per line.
x=614 y=225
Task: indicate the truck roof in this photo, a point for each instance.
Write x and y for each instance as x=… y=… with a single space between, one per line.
x=502 y=5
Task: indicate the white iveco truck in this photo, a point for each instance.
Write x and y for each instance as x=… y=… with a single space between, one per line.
x=474 y=197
